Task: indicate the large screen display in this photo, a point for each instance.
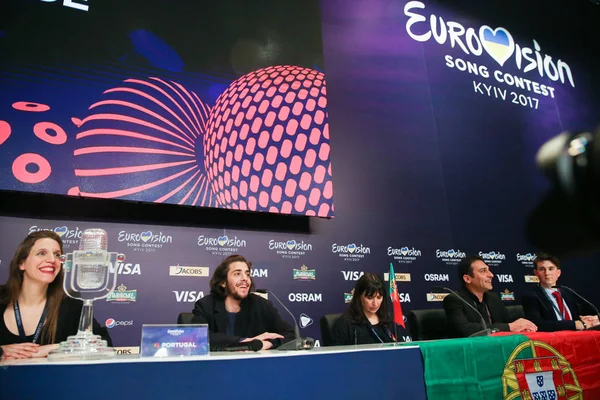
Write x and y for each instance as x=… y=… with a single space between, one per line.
x=203 y=103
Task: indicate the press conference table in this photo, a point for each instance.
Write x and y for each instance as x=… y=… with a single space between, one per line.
x=344 y=372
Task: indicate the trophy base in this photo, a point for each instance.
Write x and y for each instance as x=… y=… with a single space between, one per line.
x=84 y=347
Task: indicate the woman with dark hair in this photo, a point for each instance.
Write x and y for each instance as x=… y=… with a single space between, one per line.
x=368 y=319
x=35 y=313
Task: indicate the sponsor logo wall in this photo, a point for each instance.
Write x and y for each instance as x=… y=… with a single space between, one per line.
x=168 y=269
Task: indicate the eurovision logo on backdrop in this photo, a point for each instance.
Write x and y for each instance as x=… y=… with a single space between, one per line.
x=535 y=370
x=144 y=241
x=492 y=258
x=69 y=236
x=350 y=252
x=479 y=45
x=404 y=255
x=450 y=257
x=526 y=259
x=223 y=245
x=290 y=249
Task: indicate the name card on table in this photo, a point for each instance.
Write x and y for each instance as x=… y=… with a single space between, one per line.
x=174 y=340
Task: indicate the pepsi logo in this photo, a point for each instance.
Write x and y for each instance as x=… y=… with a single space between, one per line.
x=111 y=323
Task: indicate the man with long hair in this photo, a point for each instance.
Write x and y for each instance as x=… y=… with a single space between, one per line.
x=234 y=315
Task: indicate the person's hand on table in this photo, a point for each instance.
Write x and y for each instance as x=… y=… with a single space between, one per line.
x=44 y=350
x=590 y=320
x=264 y=338
x=522 y=325
x=19 y=350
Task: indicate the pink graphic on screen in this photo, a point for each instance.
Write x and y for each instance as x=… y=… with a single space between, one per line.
x=267 y=143
x=33 y=168
x=5 y=131
x=139 y=144
x=263 y=146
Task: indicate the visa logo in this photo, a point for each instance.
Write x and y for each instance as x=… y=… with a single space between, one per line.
x=188 y=296
x=505 y=278
x=352 y=275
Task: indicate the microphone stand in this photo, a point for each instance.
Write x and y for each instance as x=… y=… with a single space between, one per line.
x=298 y=343
x=579 y=296
x=485 y=331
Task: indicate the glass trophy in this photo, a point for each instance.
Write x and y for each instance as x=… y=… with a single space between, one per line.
x=88 y=276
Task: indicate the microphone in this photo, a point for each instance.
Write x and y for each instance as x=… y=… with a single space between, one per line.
x=485 y=331
x=298 y=343
x=254 y=345
x=88 y=276
x=578 y=295
x=91 y=260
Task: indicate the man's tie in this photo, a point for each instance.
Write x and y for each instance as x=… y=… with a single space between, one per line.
x=561 y=306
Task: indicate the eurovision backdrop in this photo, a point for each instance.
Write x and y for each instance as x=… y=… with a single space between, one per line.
x=435 y=109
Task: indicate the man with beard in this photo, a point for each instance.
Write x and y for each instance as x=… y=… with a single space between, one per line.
x=476 y=280
x=234 y=315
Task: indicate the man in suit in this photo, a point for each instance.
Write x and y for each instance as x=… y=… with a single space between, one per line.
x=234 y=315
x=549 y=307
x=463 y=321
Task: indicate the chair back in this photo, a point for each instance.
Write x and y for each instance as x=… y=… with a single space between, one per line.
x=515 y=312
x=427 y=324
x=185 y=318
x=326 y=323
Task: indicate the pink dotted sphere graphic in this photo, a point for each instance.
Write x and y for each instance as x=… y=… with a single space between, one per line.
x=139 y=143
x=266 y=146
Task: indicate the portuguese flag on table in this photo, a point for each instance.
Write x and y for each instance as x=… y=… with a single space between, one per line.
x=396 y=307
x=532 y=366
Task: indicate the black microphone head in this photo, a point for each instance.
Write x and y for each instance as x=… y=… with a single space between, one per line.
x=263 y=291
x=255 y=345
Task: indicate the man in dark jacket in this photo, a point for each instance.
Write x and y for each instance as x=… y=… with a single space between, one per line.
x=463 y=321
x=552 y=308
x=234 y=315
